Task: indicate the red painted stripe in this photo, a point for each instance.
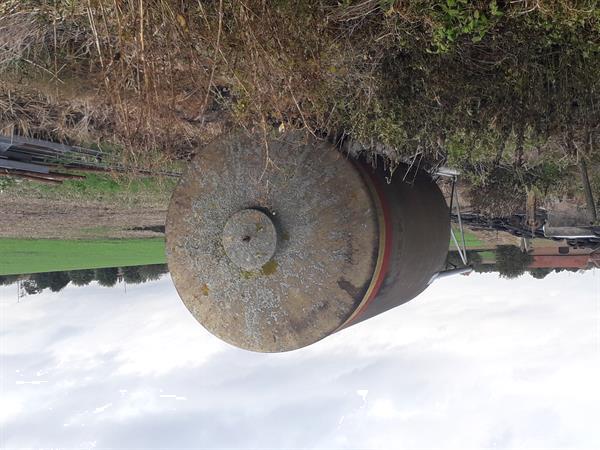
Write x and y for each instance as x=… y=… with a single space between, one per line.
x=376 y=183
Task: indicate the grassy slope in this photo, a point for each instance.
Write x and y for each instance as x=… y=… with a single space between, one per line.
x=108 y=188
x=493 y=87
x=33 y=256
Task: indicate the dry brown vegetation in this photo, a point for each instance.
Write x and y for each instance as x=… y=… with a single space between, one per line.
x=491 y=86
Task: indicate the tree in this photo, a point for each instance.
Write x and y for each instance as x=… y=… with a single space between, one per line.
x=511 y=262
x=30 y=287
x=485 y=268
x=5 y=280
x=81 y=277
x=153 y=272
x=56 y=281
x=107 y=277
x=539 y=274
x=132 y=275
x=473 y=258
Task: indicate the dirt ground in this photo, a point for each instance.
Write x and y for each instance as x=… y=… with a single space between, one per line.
x=43 y=218
x=28 y=212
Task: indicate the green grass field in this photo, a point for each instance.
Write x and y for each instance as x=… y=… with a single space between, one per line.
x=471 y=240
x=18 y=256
x=110 y=188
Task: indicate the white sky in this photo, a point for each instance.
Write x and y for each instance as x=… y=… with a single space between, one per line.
x=474 y=362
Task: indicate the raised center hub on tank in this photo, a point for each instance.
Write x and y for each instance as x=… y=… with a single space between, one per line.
x=249 y=239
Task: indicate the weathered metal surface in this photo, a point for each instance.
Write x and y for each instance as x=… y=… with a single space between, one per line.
x=249 y=239
x=327 y=241
x=18 y=165
x=569 y=232
x=346 y=245
x=39 y=145
x=418 y=232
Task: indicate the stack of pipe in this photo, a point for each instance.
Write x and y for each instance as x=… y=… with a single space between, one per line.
x=51 y=162
x=37 y=160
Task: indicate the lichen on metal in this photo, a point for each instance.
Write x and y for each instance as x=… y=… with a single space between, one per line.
x=275 y=245
x=326 y=240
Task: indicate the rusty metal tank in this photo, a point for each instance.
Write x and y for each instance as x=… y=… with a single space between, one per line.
x=275 y=245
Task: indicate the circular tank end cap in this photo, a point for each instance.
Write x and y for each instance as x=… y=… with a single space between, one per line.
x=249 y=239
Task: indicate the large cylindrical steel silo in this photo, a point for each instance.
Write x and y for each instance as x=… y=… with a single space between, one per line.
x=275 y=244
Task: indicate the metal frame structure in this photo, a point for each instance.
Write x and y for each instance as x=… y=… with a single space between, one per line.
x=453 y=175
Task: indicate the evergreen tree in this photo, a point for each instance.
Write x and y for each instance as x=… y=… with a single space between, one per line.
x=153 y=271
x=81 y=277
x=5 y=280
x=107 y=277
x=56 y=281
x=539 y=274
x=132 y=275
x=511 y=262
